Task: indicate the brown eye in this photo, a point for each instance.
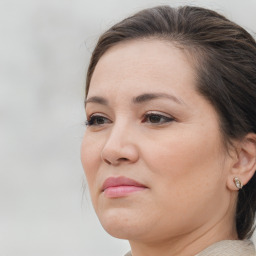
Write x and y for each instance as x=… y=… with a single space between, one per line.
x=97 y=120
x=157 y=119
x=154 y=118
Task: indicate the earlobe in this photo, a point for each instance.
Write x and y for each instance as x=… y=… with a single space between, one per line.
x=244 y=164
x=238 y=183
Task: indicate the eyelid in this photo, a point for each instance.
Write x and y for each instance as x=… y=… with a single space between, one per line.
x=96 y=114
x=154 y=112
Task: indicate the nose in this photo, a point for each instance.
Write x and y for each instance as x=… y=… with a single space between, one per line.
x=120 y=147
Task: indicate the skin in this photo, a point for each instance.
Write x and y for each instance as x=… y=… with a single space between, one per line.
x=177 y=152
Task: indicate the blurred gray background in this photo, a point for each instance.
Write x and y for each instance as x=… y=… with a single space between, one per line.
x=44 y=51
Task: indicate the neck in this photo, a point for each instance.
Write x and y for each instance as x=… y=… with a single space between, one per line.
x=187 y=244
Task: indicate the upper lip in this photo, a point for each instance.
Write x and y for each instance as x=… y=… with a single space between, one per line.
x=120 y=181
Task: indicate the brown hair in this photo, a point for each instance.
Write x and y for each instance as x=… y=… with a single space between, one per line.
x=225 y=57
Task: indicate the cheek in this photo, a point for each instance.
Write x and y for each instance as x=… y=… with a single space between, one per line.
x=90 y=157
x=188 y=165
x=188 y=179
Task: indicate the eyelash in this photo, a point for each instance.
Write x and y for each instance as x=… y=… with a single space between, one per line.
x=146 y=119
x=165 y=119
x=94 y=118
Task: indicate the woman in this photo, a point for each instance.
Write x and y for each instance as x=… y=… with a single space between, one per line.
x=169 y=151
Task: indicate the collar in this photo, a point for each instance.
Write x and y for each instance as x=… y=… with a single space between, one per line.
x=226 y=248
x=230 y=248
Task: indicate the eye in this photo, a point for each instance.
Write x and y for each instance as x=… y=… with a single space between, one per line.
x=96 y=120
x=156 y=118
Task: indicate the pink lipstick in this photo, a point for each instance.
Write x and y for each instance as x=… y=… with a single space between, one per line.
x=115 y=187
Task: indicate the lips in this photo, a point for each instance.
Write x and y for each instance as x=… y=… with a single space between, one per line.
x=121 y=186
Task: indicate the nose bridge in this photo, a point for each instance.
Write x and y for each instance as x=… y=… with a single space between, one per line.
x=120 y=144
x=119 y=134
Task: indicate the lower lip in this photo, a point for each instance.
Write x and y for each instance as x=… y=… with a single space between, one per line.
x=121 y=191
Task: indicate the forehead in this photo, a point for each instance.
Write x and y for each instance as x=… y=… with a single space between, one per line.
x=142 y=65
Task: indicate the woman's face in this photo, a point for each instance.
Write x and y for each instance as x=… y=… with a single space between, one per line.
x=152 y=152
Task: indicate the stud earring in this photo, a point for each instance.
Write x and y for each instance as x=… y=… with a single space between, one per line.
x=238 y=183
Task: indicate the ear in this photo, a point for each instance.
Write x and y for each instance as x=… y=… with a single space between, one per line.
x=244 y=162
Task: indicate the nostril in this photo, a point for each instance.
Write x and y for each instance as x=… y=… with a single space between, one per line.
x=122 y=159
x=106 y=161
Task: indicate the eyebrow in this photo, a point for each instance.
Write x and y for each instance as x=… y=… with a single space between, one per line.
x=145 y=97
x=96 y=99
x=152 y=96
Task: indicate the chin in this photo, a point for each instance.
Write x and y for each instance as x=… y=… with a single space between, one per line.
x=121 y=224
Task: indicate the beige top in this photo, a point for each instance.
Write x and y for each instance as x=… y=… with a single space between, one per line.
x=227 y=248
